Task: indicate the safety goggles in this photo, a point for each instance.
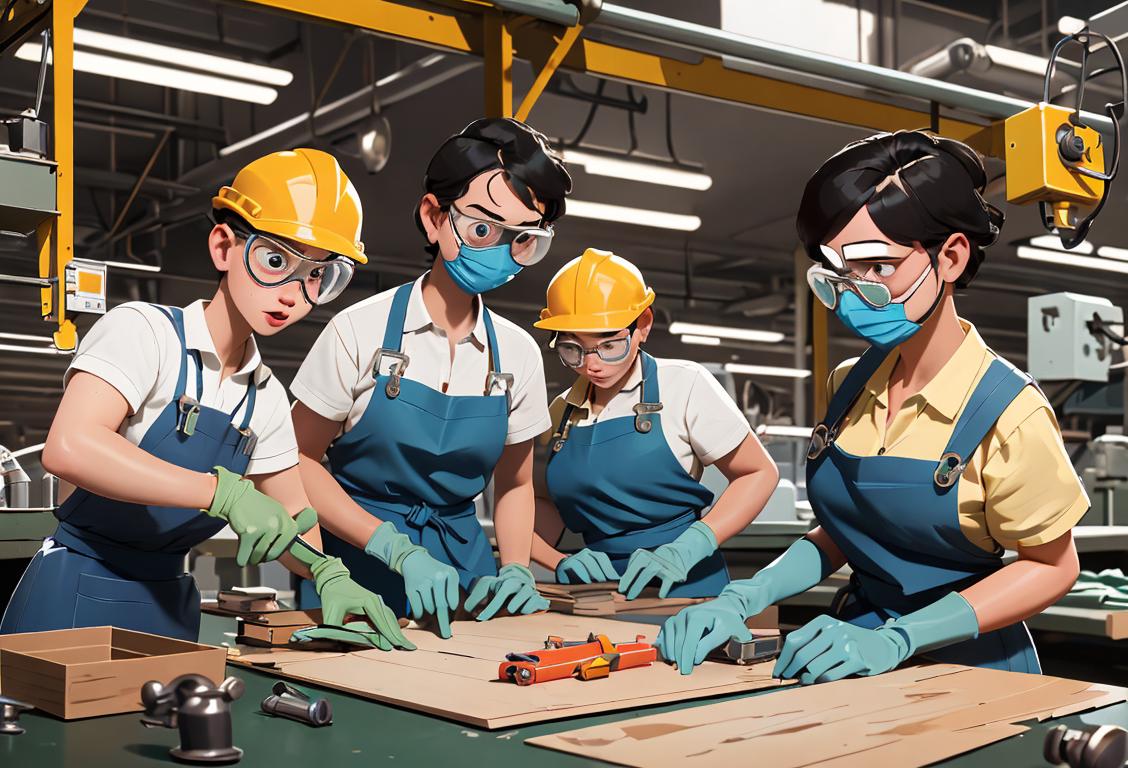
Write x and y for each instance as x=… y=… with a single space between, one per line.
x=271 y=263
x=527 y=245
x=828 y=285
x=572 y=354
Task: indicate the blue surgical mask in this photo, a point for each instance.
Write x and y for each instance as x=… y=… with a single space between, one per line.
x=479 y=270
x=883 y=327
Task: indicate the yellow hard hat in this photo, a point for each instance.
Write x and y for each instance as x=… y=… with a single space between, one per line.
x=595 y=293
x=302 y=195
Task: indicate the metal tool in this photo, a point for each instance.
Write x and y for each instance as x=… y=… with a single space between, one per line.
x=1095 y=746
x=10 y=710
x=595 y=658
x=291 y=702
x=201 y=711
x=748 y=651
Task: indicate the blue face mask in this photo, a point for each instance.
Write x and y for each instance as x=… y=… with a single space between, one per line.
x=478 y=270
x=885 y=328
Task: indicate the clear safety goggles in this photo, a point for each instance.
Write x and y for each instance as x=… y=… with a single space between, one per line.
x=828 y=285
x=271 y=263
x=572 y=354
x=527 y=245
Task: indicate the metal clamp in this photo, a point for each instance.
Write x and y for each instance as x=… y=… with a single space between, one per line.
x=821 y=439
x=392 y=389
x=948 y=470
x=561 y=437
x=642 y=415
x=506 y=382
x=247 y=441
x=189 y=412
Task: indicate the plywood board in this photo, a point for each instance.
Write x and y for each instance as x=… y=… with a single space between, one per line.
x=911 y=717
x=456 y=678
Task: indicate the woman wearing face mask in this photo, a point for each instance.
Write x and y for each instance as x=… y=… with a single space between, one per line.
x=934 y=454
x=632 y=437
x=417 y=396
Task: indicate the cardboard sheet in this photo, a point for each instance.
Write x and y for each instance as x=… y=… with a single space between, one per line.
x=910 y=717
x=456 y=678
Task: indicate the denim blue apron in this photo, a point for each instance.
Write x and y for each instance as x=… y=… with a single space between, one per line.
x=122 y=564
x=417 y=458
x=618 y=484
x=896 y=520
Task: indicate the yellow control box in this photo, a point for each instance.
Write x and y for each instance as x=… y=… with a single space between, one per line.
x=1035 y=170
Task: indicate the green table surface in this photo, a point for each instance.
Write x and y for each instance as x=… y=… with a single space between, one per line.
x=367 y=733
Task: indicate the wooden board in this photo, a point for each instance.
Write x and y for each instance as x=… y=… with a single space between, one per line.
x=910 y=717
x=456 y=678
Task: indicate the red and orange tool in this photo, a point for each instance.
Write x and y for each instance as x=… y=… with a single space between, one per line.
x=596 y=658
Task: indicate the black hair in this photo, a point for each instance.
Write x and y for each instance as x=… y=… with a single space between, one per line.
x=530 y=166
x=940 y=194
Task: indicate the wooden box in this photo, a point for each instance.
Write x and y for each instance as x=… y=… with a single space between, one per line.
x=88 y=672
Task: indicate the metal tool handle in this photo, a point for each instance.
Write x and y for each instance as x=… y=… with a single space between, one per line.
x=289 y=702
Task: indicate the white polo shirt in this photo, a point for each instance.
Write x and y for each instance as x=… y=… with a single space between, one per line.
x=700 y=421
x=134 y=348
x=336 y=381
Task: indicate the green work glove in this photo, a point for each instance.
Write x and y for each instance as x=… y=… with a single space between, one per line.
x=688 y=637
x=264 y=528
x=356 y=633
x=513 y=583
x=431 y=586
x=585 y=567
x=669 y=563
x=340 y=595
x=828 y=649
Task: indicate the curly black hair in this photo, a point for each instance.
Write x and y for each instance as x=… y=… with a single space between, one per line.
x=940 y=193
x=530 y=165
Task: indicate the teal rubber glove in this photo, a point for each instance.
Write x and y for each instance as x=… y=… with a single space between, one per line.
x=355 y=633
x=431 y=586
x=341 y=596
x=687 y=637
x=513 y=583
x=669 y=563
x=264 y=528
x=827 y=649
x=585 y=567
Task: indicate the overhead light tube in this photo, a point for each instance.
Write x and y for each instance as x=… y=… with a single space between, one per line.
x=725 y=332
x=767 y=370
x=622 y=214
x=635 y=169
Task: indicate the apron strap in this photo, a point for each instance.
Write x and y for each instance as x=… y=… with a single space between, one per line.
x=175 y=316
x=824 y=433
x=393 y=331
x=493 y=366
x=650 y=401
x=995 y=392
x=195 y=353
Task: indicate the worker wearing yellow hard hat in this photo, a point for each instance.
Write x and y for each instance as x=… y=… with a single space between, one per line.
x=171 y=427
x=631 y=439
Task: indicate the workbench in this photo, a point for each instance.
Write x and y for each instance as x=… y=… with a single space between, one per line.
x=367 y=733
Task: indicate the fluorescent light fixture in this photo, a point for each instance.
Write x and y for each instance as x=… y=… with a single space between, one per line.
x=621 y=214
x=133 y=265
x=638 y=170
x=1113 y=253
x=168 y=77
x=32 y=350
x=28 y=451
x=1023 y=62
x=26 y=337
x=1051 y=243
x=783 y=430
x=182 y=57
x=706 y=341
x=724 y=332
x=767 y=370
x=1072 y=260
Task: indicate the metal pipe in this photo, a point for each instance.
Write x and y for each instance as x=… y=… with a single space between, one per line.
x=707 y=40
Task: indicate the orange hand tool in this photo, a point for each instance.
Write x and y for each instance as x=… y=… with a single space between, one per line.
x=596 y=658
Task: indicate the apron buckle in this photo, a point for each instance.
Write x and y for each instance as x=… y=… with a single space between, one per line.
x=561 y=437
x=821 y=438
x=247 y=441
x=392 y=389
x=948 y=470
x=642 y=415
x=506 y=382
x=189 y=412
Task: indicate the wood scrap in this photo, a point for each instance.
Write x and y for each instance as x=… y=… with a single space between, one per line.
x=602 y=598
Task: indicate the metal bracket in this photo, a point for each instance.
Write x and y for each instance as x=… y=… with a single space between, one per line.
x=392 y=389
x=821 y=439
x=247 y=441
x=642 y=416
x=948 y=470
x=506 y=382
x=189 y=413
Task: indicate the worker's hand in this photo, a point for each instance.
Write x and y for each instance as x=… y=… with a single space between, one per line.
x=264 y=528
x=585 y=567
x=827 y=649
x=357 y=633
x=341 y=596
x=687 y=637
x=513 y=583
x=669 y=563
x=431 y=586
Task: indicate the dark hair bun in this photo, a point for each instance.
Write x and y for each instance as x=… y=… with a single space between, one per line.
x=942 y=180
